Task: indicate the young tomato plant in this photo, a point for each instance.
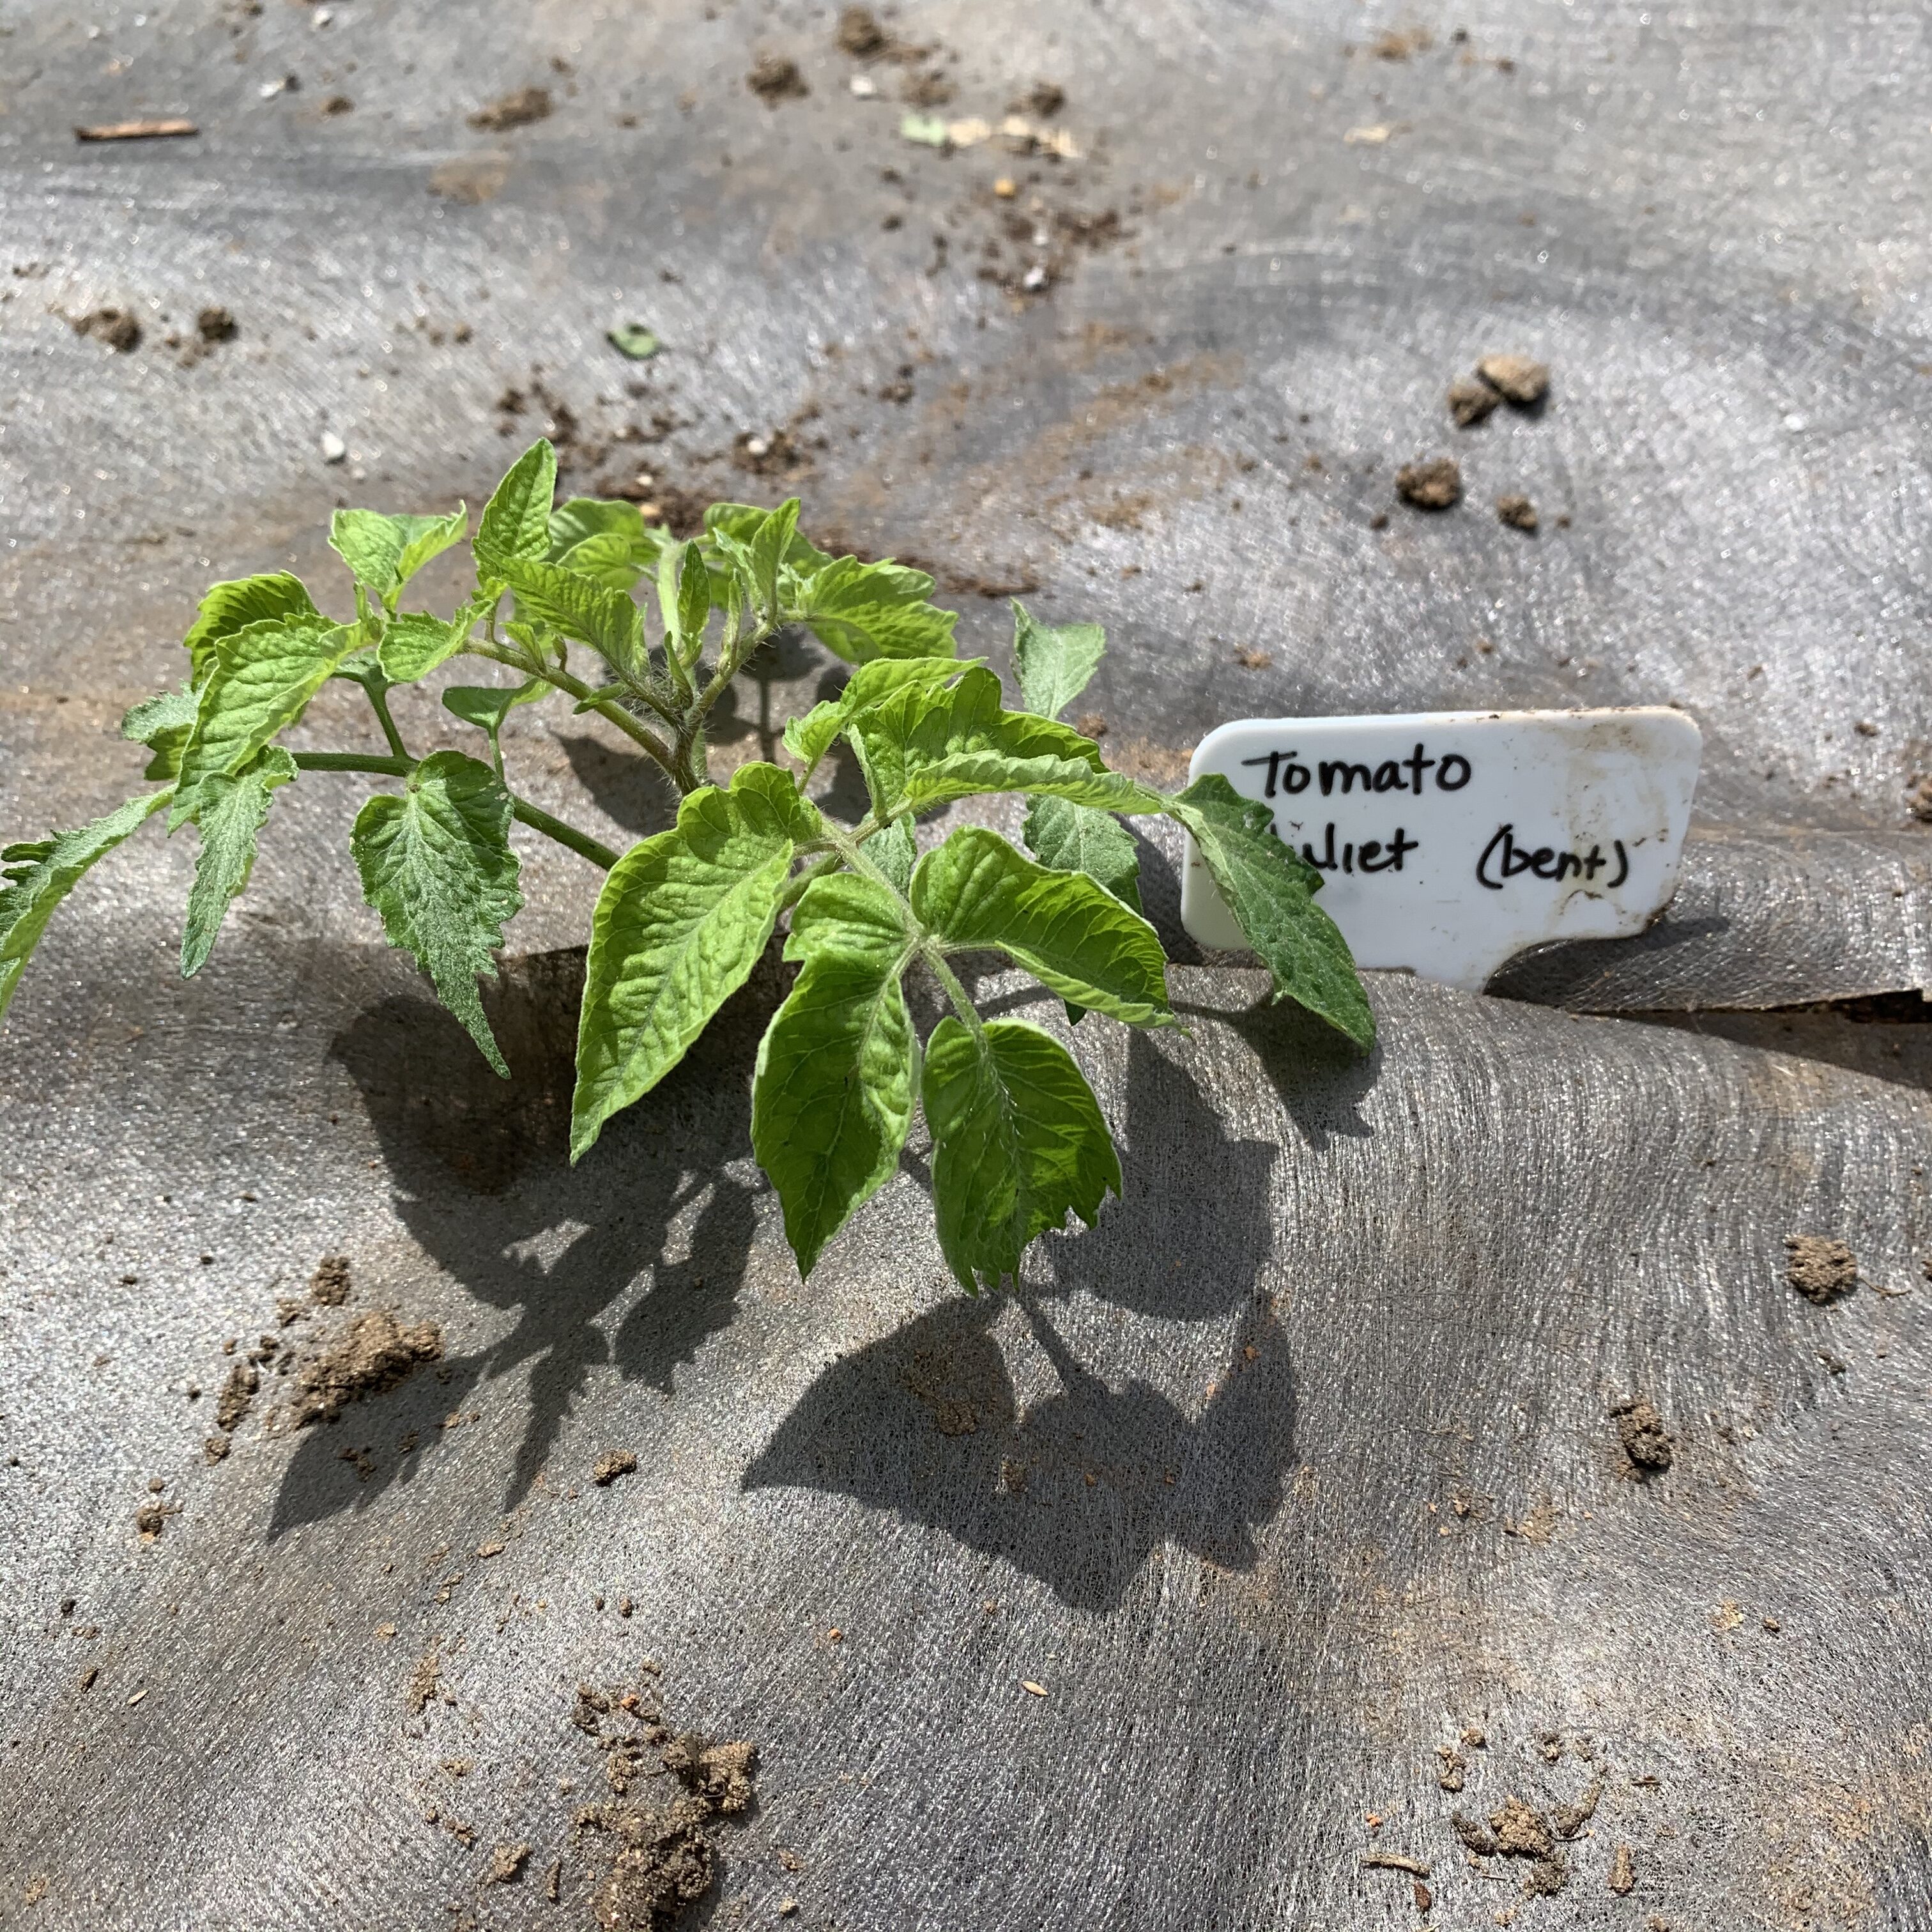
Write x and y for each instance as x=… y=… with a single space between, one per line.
x=1018 y=1139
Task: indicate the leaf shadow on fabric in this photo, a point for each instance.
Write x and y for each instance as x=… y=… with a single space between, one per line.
x=480 y=1175
x=1077 y=1489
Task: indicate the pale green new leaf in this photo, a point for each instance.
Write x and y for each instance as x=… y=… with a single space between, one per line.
x=233 y=809
x=36 y=875
x=263 y=679
x=437 y=864
x=767 y=550
x=579 y=607
x=225 y=608
x=486 y=706
x=385 y=552
x=1054 y=661
x=896 y=851
x=865 y=610
x=679 y=924
x=1019 y=1142
x=742 y=523
x=837 y=1068
x=1270 y=889
x=416 y=641
x=684 y=599
x=603 y=538
x=810 y=737
x=975 y=891
x=162 y=723
x=920 y=749
x=516 y=520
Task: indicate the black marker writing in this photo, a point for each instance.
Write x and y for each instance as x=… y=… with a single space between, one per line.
x=1511 y=859
x=1286 y=773
x=1372 y=855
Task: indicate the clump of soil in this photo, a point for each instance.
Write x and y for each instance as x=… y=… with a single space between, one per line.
x=425 y=1681
x=506 y=1864
x=1821 y=1269
x=215 y=324
x=1546 y=1877
x=1475 y=1835
x=860 y=34
x=1517 y=511
x=1517 y=378
x=518 y=109
x=372 y=1353
x=1436 y=484
x=231 y=1406
x=1623 y=1870
x=1919 y=795
x=329 y=1284
x=1450 y=1765
x=114 y=326
x=1566 y=1820
x=1521 y=1832
x=776 y=455
x=775 y=78
x=618 y=1463
x=662 y=1858
x=1471 y=399
x=1398 y=43
x=1647 y=1446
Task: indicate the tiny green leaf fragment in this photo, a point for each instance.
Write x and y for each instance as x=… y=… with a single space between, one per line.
x=926 y=129
x=36 y=875
x=679 y=924
x=864 y=611
x=1270 y=890
x=634 y=339
x=975 y=891
x=225 y=608
x=837 y=1066
x=162 y=723
x=516 y=520
x=1054 y=662
x=1018 y=1143
x=232 y=810
x=385 y=552
x=263 y=677
x=436 y=863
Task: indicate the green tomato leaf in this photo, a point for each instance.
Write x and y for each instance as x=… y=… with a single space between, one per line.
x=225 y=608
x=838 y=1066
x=35 y=877
x=385 y=552
x=416 y=641
x=437 y=864
x=516 y=520
x=263 y=679
x=605 y=538
x=1068 y=838
x=162 y=723
x=742 y=523
x=920 y=748
x=1269 y=888
x=233 y=809
x=486 y=706
x=1054 y=661
x=679 y=924
x=767 y=550
x=896 y=851
x=1070 y=933
x=684 y=599
x=810 y=737
x=865 y=610
x=579 y=607
x=1019 y=1142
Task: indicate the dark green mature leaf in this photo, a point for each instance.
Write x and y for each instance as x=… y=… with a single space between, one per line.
x=1019 y=1142
x=679 y=924
x=1270 y=889
x=976 y=891
x=162 y=723
x=579 y=607
x=417 y=641
x=920 y=749
x=1076 y=838
x=263 y=677
x=810 y=737
x=437 y=864
x=516 y=520
x=836 y=1072
x=1054 y=661
x=38 y=873
x=225 y=608
x=385 y=552
x=233 y=809
x=865 y=610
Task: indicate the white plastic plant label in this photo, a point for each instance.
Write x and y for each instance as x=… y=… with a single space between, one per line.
x=1449 y=841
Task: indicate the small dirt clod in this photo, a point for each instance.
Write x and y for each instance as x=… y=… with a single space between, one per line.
x=860 y=34
x=1522 y=1830
x=506 y=1864
x=114 y=326
x=329 y=1284
x=231 y=1406
x=1450 y=1765
x=374 y=1352
x=1517 y=378
x=618 y=1463
x=1649 y=1446
x=1436 y=484
x=1623 y=1870
x=1821 y=1269
x=1518 y=512
x=774 y=79
x=1471 y=400
x=215 y=324
x=517 y=109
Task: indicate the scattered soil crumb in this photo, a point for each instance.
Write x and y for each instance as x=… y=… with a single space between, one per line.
x=215 y=324
x=1450 y=1765
x=1647 y=1446
x=1475 y=1835
x=720 y=1774
x=1821 y=1269
x=1517 y=511
x=1545 y=1878
x=1517 y=378
x=518 y=109
x=553 y=1880
x=114 y=326
x=337 y=103
x=860 y=34
x=1398 y=43
x=1471 y=400
x=151 y=1519
x=425 y=1681
x=1623 y=1870
x=214 y=1448
x=468 y=180
x=329 y=1284
x=1435 y=485
x=1424 y=1898
x=374 y=1352
x=774 y=79
x=1476 y=1738
x=506 y=1864
x=1919 y=795
x=618 y=1463
x=290 y=1308
x=1521 y=1832
x=1568 y=1819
